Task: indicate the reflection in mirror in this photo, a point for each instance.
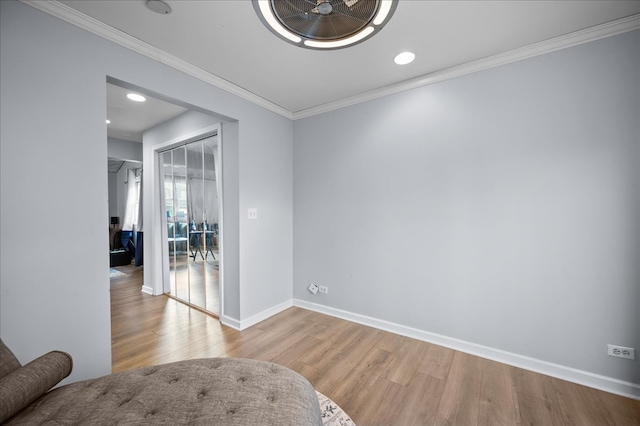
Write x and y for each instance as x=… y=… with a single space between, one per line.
x=211 y=215
x=174 y=242
x=192 y=212
x=181 y=222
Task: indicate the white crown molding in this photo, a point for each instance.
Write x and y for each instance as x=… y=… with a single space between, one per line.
x=608 y=29
x=79 y=19
x=72 y=16
x=586 y=378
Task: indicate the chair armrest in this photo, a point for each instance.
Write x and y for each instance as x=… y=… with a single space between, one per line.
x=21 y=387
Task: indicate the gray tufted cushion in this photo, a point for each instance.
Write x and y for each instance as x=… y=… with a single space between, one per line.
x=216 y=391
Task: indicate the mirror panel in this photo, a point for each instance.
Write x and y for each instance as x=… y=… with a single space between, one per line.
x=167 y=171
x=192 y=211
x=211 y=208
x=195 y=192
x=181 y=223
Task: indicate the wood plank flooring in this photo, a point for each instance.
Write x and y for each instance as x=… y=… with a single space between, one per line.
x=377 y=377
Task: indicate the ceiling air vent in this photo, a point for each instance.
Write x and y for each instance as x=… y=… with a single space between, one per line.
x=325 y=24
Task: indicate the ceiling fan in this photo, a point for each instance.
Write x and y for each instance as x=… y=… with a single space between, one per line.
x=325 y=24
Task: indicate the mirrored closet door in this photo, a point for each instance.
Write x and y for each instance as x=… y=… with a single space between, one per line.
x=191 y=203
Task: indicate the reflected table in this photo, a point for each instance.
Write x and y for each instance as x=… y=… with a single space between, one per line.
x=197 y=235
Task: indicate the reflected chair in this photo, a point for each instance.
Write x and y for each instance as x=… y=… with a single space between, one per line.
x=212 y=230
x=194 y=244
x=181 y=236
x=171 y=236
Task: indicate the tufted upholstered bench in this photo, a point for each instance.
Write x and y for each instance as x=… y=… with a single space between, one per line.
x=215 y=391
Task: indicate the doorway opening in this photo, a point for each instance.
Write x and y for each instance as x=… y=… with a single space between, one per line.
x=137 y=133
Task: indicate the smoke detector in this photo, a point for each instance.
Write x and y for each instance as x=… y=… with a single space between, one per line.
x=159 y=6
x=325 y=24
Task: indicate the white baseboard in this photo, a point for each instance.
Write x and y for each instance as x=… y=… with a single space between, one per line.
x=254 y=319
x=261 y=316
x=230 y=322
x=608 y=384
x=148 y=290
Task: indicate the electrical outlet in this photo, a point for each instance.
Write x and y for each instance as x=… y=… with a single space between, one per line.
x=313 y=288
x=252 y=213
x=615 y=350
x=324 y=289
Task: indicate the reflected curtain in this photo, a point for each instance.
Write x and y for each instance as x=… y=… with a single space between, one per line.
x=199 y=188
x=202 y=191
x=212 y=179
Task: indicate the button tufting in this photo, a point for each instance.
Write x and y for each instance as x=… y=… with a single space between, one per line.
x=271 y=399
x=231 y=411
x=149 y=372
x=241 y=379
x=173 y=380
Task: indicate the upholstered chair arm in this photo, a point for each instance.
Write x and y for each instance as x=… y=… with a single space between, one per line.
x=24 y=385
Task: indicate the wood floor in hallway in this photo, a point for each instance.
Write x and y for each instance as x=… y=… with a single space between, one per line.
x=377 y=377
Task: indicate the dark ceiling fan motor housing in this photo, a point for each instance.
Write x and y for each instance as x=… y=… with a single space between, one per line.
x=325 y=24
x=325 y=20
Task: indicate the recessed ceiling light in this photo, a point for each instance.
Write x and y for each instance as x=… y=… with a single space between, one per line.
x=325 y=24
x=108 y=121
x=404 y=58
x=136 y=97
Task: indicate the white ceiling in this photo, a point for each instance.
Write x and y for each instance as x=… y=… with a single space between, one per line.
x=226 y=39
x=129 y=119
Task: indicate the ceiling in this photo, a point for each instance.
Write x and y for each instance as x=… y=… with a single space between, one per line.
x=226 y=39
x=128 y=119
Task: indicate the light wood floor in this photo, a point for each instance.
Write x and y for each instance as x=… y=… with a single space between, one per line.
x=197 y=281
x=377 y=377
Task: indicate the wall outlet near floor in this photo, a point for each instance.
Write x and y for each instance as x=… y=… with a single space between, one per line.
x=614 y=350
x=324 y=289
x=313 y=288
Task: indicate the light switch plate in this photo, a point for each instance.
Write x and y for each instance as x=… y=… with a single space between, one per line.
x=252 y=213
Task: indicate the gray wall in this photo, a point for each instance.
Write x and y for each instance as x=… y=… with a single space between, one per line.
x=63 y=303
x=500 y=208
x=124 y=150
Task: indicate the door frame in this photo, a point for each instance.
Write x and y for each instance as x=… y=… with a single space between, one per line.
x=159 y=249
